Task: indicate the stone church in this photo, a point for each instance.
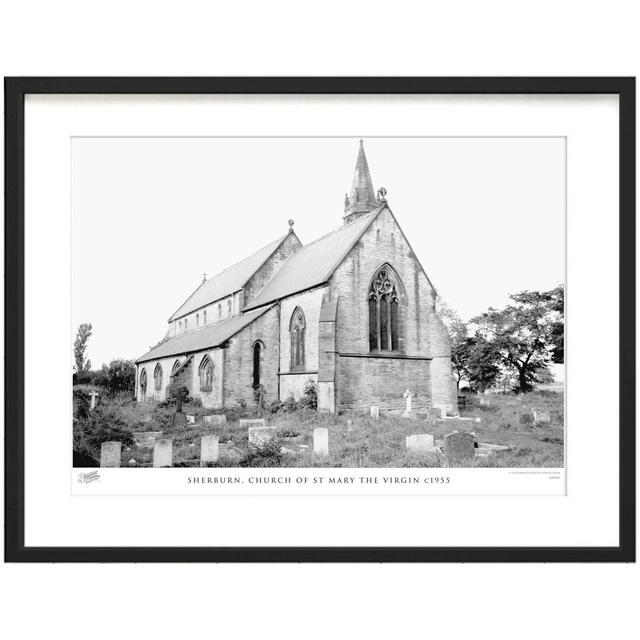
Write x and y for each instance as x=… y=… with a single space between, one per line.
x=353 y=311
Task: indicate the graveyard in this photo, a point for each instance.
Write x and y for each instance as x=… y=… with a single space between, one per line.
x=493 y=430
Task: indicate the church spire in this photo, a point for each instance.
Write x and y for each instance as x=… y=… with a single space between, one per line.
x=362 y=199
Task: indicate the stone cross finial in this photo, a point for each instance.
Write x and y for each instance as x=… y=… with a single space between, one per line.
x=382 y=193
x=204 y=277
x=291 y=223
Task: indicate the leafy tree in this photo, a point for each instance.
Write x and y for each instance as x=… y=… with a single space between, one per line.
x=481 y=363
x=527 y=335
x=118 y=376
x=458 y=337
x=79 y=348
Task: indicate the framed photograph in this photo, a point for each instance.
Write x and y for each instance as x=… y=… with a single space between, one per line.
x=320 y=319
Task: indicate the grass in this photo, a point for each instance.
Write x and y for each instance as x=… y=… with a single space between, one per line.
x=355 y=440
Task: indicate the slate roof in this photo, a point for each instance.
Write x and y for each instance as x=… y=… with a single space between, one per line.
x=207 y=337
x=228 y=281
x=314 y=263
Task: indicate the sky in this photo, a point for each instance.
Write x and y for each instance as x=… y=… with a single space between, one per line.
x=485 y=216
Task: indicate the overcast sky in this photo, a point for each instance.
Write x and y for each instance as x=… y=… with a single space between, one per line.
x=485 y=216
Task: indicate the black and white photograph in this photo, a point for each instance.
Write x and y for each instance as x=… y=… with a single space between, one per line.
x=298 y=302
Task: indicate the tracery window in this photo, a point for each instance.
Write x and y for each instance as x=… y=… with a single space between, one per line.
x=297 y=328
x=157 y=377
x=384 y=302
x=206 y=374
x=176 y=366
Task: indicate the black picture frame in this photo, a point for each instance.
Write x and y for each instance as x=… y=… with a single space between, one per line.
x=15 y=91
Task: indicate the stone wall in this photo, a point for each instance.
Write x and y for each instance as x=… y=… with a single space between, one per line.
x=293 y=384
x=289 y=246
x=382 y=381
x=238 y=360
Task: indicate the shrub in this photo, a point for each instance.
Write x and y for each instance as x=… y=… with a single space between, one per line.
x=268 y=454
x=309 y=398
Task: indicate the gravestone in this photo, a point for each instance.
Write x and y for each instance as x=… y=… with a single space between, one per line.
x=179 y=419
x=110 y=454
x=163 y=452
x=209 y=450
x=541 y=417
x=190 y=419
x=321 y=441
x=146 y=438
x=259 y=422
x=421 y=443
x=94 y=397
x=214 y=421
x=459 y=448
x=349 y=425
x=259 y=436
x=375 y=413
x=434 y=413
x=443 y=409
x=408 y=412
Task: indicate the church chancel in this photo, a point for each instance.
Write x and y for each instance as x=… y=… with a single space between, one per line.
x=353 y=312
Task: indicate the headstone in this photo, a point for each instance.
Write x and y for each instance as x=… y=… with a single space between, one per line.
x=110 y=454
x=443 y=409
x=434 y=413
x=94 y=397
x=179 y=419
x=321 y=441
x=146 y=438
x=208 y=450
x=132 y=462
x=420 y=443
x=459 y=448
x=252 y=423
x=349 y=425
x=214 y=421
x=375 y=412
x=541 y=417
x=259 y=436
x=163 y=452
x=190 y=419
x=407 y=413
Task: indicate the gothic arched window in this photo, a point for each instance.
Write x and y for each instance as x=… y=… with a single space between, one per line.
x=206 y=374
x=143 y=384
x=229 y=307
x=384 y=303
x=204 y=317
x=176 y=366
x=297 y=328
x=219 y=310
x=257 y=364
x=197 y=319
x=157 y=377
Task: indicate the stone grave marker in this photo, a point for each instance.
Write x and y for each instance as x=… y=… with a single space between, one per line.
x=190 y=419
x=420 y=443
x=434 y=413
x=459 y=448
x=541 y=417
x=146 y=438
x=163 y=452
x=258 y=422
x=209 y=450
x=408 y=411
x=259 y=436
x=321 y=441
x=214 y=421
x=94 y=398
x=375 y=413
x=110 y=454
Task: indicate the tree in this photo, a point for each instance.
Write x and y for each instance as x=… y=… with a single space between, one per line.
x=527 y=335
x=79 y=348
x=119 y=375
x=458 y=337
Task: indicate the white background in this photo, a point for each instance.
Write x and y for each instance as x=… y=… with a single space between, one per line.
x=461 y=38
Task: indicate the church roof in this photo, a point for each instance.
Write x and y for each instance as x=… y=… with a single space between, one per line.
x=230 y=280
x=209 y=336
x=314 y=263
